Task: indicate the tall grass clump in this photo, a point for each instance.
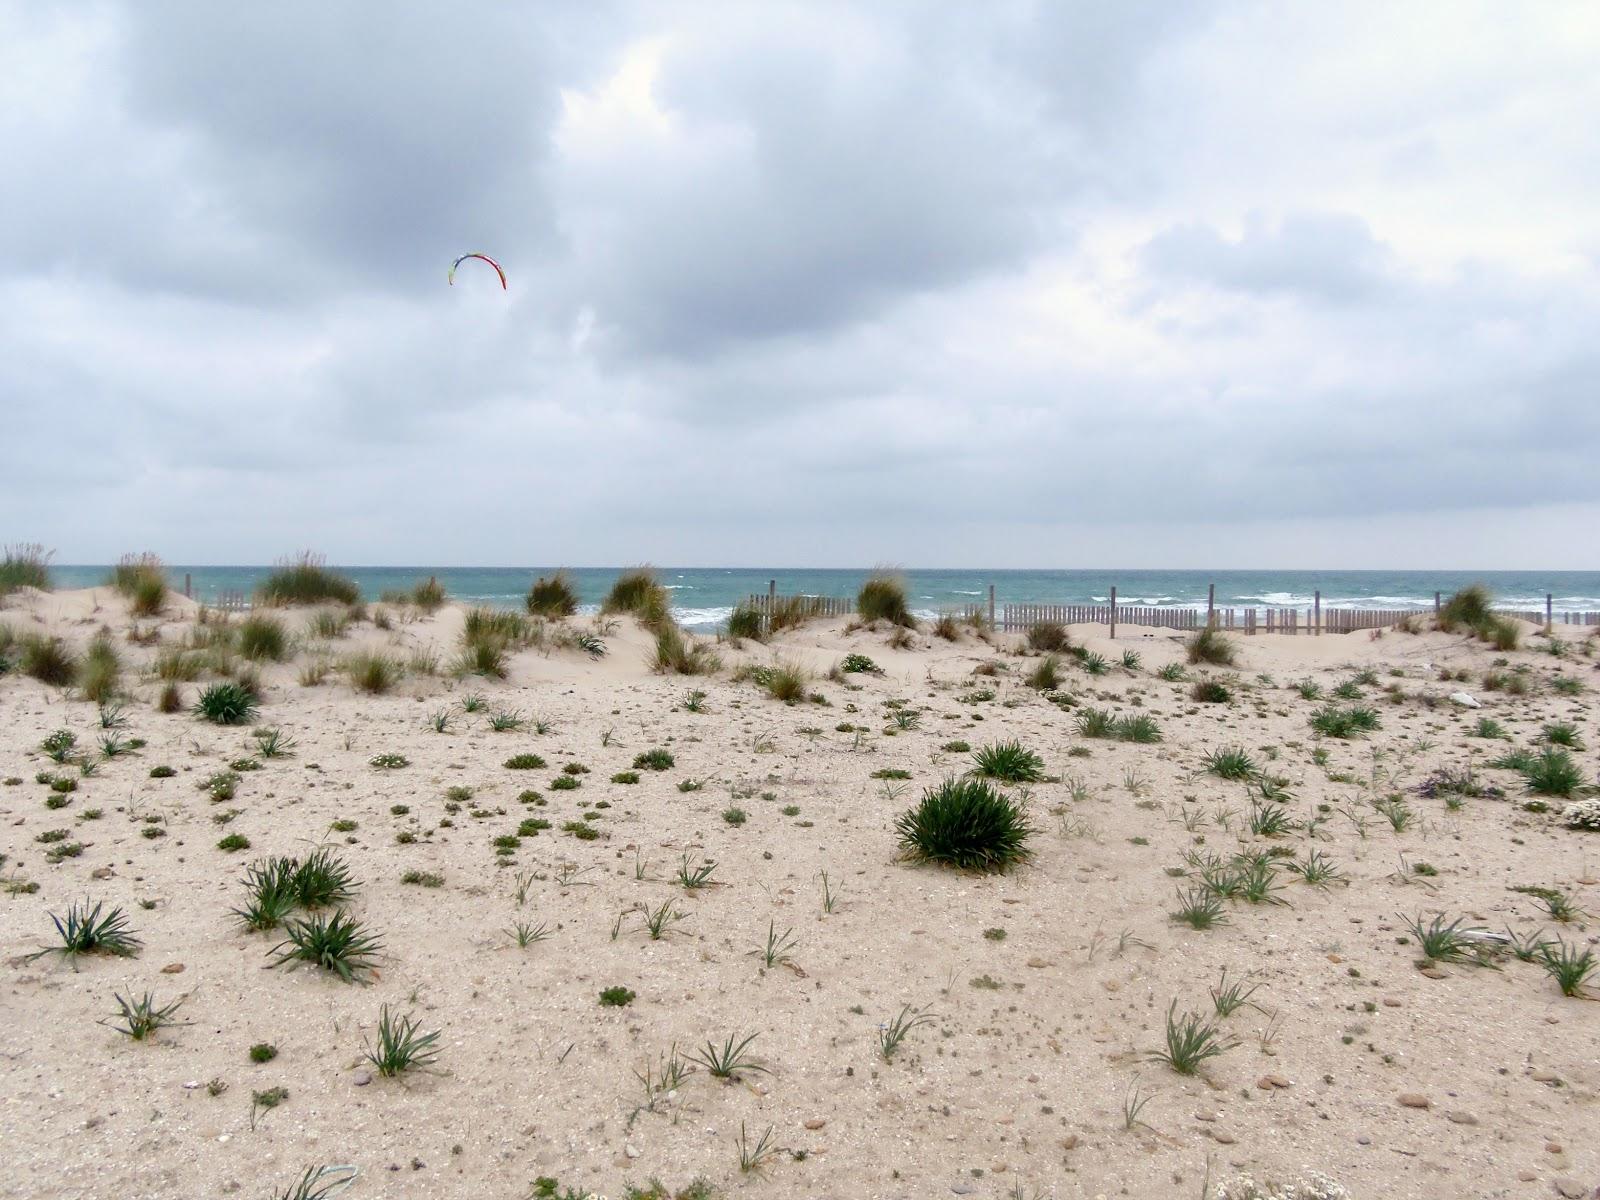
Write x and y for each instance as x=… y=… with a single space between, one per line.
x=1009 y=762
x=305 y=579
x=142 y=581
x=1553 y=772
x=746 y=621
x=428 y=594
x=371 y=672
x=678 y=653
x=100 y=675
x=47 y=659
x=1049 y=636
x=261 y=636
x=883 y=598
x=1209 y=646
x=24 y=564
x=966 y=823
x=1471 y=609
x=637 y=591
x=553 y=596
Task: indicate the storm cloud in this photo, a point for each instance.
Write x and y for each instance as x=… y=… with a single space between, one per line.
x=1005 y=285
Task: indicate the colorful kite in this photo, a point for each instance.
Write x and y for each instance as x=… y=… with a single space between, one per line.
x=486 y=258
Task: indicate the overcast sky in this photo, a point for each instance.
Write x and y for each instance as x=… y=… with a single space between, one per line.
x=1001 y=284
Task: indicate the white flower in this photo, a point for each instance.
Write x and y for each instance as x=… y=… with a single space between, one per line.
x=1582 y=814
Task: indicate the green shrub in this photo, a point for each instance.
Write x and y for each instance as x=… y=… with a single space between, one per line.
x=1009 y=762
x=1049 y=636
x=965 y=823
x=1336 y=722
x=305 y=579
x=1209 y=646
x=553 y=596
x=47 y=659
x=653 y=760
x=428 y=594
x=371 y=672
x=101 y=673
x=1552 y=773
x=227 y=704
x=1470 y=607
x=1210 y=691
x=883 y=598
x=746 y=621
x=637 y=591
x=24 y=564
x=142 y=581
x=679 y=654
x=261 y=637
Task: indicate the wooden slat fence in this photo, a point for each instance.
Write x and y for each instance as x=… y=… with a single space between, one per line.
x=1019 y=618
x=230 y=600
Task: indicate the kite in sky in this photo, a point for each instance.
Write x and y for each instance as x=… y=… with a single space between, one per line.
x=486 y=258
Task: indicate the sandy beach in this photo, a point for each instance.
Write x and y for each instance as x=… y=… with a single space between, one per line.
x=1044 y=990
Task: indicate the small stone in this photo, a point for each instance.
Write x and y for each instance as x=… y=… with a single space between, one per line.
x=962 y=1189
x=1434 y=973
x=1205 y=1116
x=102 y=873
x=1457 y=1117
x=1336 y=958
x=362 y=1078
x=630 y=1150
x=1527 y=1176
x=1037 y=962
x=1414 y=1100
x=1545 y=1075
x=1391 y=1002
x=1570 y=1188
x=816 y=1123
x=1363 y=1139
x=1223 y=1136
x=1268 y=1082
x=1552 y=1147
x=172 y=969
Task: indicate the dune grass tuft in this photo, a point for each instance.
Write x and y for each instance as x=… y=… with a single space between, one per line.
x=883 y=598
x=553 y=596
x=305 y=578
x=141 y=580
x=966 y=823
x=1208 y=645
x=24 y=564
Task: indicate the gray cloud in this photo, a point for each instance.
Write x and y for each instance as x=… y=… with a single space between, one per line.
x=810 y=282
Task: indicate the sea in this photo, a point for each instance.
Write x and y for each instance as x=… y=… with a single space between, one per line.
x=703 y=597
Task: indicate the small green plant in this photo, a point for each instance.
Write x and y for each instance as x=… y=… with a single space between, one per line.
x=778 y=948
x=263 y=1052
x=1552 y=772
x=525 y=762
x=1199 y=908
x=1173 y=673
x=653 y=760
x=141 y=1018
x=616 y=997
x=753 y=1158
x=1335 y=722
x=1191 y=1041
x=1009 y=762
x=339 y=944
x=1445 y=943
x=859 y=664
x=402 y=1046
x=895 y=1030
x=234 y=841
x=697 y=877
x=1569 y=966
x=735 y=815
x=1231 y=763
x=1227 y=998
x=227 y=703
x=1210 y=691
x=389 y=762
x=727 y=1060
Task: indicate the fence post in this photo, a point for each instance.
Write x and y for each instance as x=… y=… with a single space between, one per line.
x=1316 y=608
x=1436 y=603
x=1548 y=618
x=772 y=595
x=991 y=606
x=1113 y=612
x=188 y=585
x=1211 y=603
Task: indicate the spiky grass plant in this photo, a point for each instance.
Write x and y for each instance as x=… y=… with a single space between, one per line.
x=1445 y=943
x=1316 y=869
x=678 y=653
x=1142 y=729
x=339 y=944
x=1094 y=723
x=753 y=1157
x=1335 y=722
x=262 y=637
x=141 y=1018
x=779 y=947
x=1093 y=664
x=896 y=1029
x=1208 y=645
x=1569 y=966
x=883 y=598
x=322 y=879
x=966 y=823
x=371 y=672
x=1173 y=673
x=402 y=1046
x=553 y=596
x=1210 y=691
x=305 y=579
x=24 y=564
x=1469 y=607
x=1009 y=762
x=271 y=893
x=697 y=877
x=1192 y=1039
x=318 y=1183
x=1048 y=636
x=1199 y=908
x=726 y=1061
x=1552 y=772
x=1231 y=762
x=656 y=759
x=227 y=703
x=92 y=930
x=1228 y=998
x=1562 y=733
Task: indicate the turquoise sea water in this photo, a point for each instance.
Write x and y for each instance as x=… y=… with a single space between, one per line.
x=703 y=596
